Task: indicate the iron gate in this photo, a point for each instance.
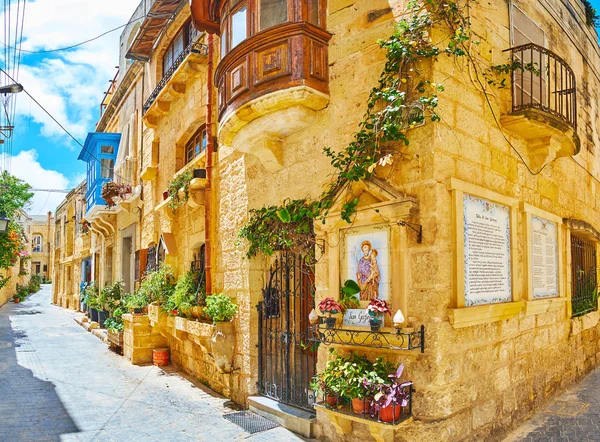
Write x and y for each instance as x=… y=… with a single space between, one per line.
x=287 y=358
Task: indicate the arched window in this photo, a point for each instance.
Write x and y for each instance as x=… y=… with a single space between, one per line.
x=37 y=243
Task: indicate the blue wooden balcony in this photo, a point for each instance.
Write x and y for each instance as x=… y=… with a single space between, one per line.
x=100 y=153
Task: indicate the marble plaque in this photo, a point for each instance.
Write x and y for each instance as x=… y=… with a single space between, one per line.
x=544 y=258
x=487 y=234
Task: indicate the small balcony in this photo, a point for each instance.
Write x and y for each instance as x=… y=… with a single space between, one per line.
x=544 y=104
x=173 y=84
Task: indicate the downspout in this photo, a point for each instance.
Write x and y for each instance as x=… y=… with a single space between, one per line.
x=209 y=165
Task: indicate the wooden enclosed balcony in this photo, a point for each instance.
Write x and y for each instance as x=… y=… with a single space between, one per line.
x=544 y=104
x=273 y=75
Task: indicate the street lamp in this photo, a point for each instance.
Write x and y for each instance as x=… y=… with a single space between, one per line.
x=11 y=88
x=3 y=223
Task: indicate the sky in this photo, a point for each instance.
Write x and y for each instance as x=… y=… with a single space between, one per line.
x=70 y=84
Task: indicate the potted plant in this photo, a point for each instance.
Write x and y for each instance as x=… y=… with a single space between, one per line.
x=355 y=369
x=221 y=309
x=183 y=300
x=158 y=285
x=179 y=189
x=389 y=397
x=329 y=306
x=92 y=300
x=136 y=302
x=376 y=309
x=331 y=383
x=348 y=292
x=16 y=298
x=115 y=327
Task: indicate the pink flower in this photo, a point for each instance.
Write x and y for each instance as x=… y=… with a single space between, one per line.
x=330 y=305
x=378 y=307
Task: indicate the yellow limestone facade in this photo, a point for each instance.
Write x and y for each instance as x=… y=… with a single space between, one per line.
x=42 y=240
x=485 y=367
x=71 y=247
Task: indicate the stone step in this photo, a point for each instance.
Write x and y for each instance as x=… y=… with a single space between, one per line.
x=294 y=419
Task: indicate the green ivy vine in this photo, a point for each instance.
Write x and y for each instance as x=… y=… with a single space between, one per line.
x=180 y=182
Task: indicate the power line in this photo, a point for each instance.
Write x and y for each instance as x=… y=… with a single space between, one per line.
x=67 y=132
x=66 y=48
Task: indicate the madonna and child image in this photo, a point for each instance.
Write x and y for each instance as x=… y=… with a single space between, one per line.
x=367 y=261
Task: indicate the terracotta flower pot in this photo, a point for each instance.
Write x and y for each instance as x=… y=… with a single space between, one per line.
x=331 y=401
x=165 y=195
x=16 y=300
x=361 y=406
x=391 y=413
x=223 y=346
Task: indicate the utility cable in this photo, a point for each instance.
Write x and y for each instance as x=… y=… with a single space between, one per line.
x=67 y=132
x=66 y=48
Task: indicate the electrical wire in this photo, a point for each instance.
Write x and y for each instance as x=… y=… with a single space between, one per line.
x=66 y=48
x=69 y=133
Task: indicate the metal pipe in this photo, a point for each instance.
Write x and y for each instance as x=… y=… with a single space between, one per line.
x=209 y=166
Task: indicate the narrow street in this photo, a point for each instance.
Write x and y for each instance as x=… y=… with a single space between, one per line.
x=60 y=383
x=573 y=416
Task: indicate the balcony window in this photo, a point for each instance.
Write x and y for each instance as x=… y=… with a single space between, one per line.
x=313 y=12
x=107 y=149
x=37 y=243
x=272 y=13
x=182 y=39
x=235 y=29
x=196 y=145
x=238 y=27
x=107 y=168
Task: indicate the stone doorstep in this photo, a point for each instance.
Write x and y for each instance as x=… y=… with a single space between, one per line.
x=294 y=419
x=98 y=332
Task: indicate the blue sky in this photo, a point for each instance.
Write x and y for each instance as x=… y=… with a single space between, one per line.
x=70 y=84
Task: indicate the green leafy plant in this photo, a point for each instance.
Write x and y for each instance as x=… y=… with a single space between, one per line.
x=111 y=296
x=35 y=283
x=180 y=182
x=113 y=324
x=220 y=308
x=91 y=296
x=136 y=300
x=586 y=298
x=591 y=14
x=158 y=286
x=348 y=294
x=183 y=297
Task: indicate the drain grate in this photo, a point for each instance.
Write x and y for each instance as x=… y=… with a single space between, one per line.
x=565 y=408
x=251 y=422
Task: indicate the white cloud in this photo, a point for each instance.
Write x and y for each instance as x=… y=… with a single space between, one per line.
x=70 y=84
x=25 y=166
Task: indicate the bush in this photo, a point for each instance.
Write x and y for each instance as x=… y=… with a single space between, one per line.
x=220 y=308
x=91 y=296
x=111 y=296
x=158 y=286
x=34 y=283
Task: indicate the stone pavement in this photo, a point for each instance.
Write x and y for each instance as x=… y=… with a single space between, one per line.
x=60 y=383
x=572 y=417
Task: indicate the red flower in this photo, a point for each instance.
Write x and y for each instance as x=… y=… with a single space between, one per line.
x=377 y=307
x=330 y=305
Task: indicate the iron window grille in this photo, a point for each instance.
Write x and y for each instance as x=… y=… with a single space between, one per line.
x=584 y=283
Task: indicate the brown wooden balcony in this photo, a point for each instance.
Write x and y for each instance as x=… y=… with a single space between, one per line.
x=544 y=103
x=274 y=71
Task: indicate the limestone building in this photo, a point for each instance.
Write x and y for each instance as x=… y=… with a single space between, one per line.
x=42 y=237
x=485 y=223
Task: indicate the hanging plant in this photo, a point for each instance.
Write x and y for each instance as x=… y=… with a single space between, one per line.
x=180 y=183
x=112 y=190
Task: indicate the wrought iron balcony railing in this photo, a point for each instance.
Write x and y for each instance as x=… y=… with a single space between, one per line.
x=542 y=80
x=193 y=48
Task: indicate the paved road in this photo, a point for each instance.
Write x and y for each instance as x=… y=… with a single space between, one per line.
x=60 y=383
x=572 y=417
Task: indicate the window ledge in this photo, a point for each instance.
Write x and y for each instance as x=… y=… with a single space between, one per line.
x=483 y=314
x=163 y=207
x=540 y=306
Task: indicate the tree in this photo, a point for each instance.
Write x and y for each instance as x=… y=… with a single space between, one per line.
x=15 y=196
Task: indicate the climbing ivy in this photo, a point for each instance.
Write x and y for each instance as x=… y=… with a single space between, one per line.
x=402 y=99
